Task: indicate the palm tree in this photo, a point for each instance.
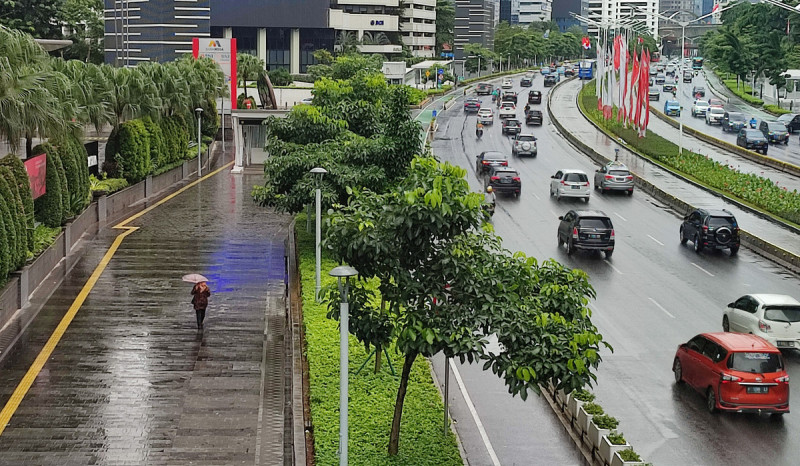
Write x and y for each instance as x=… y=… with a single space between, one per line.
x=172 y=86
x=90 y=89
x=249 y=68
x=133 y=94
x=347 y=42
x=34 y=99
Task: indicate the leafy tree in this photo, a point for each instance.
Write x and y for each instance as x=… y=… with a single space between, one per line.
x=249 y=68
x=475 y=54
x=445 y=23
x=424 y=241
x=347 y=66
x=40 y=18
x=323 y=57
x=84 y=19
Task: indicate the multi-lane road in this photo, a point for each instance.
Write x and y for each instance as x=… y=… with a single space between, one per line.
x=651 y=296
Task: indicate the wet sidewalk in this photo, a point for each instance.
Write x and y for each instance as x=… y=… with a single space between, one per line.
x=132 y=380
x=564 y=108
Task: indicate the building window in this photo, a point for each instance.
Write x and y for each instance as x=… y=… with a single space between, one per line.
x=278 y=42
x=246 y=39
x=312 y=40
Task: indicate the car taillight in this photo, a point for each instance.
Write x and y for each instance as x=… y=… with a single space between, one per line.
x=504 y=163
x=705 y=228
x=612 y=234
x=784 y=379
x=486 y=162
x=629 y=177
x=516 y=178
x=563 y=182
x=764 y=327
x=586 y=184
x=609 y=177
x=727 y=378
x=574 y=232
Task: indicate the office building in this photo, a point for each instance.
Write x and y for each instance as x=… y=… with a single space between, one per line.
x=505 y=11
x=282 y=33
x=640 y=14
x=682 y=9
x=532 y=11
x=474 y=24
x=562 y=13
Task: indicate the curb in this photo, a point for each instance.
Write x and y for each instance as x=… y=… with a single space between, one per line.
x=785 y=167
x=758 y=245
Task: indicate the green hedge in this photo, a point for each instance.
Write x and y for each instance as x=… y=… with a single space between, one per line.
x=74 y=195
x=209 y=123
x=133 y=156
x=78 y=150
x=23 y=186
x=742 y=90
x=47 y=208
x=752 y=189
x=6 y=243
x=9 y=190
x=16 y=244
x=775 y=110
x=62 y=178
x=158 y=147
x=372 y=396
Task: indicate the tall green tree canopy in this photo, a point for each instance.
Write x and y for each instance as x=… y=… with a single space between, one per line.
x=445 y=23
x=449 y=285
x=40 y=18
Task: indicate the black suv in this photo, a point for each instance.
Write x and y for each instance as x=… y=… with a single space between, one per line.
x=509 y=96
x=752 y=139
x=733 y=121
x=586 y=229
x=550 y=80
x=511 y=126
x=713 y=229
x=535 y=97
x=526 y=81
x=504 y=180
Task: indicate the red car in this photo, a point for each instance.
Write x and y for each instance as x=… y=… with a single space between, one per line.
x=735 y=371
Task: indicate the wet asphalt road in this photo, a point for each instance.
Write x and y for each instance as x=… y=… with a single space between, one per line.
x=787 y=153
x=653 y=295
x=132 y=380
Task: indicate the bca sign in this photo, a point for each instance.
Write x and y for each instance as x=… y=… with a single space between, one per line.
x=223 y=52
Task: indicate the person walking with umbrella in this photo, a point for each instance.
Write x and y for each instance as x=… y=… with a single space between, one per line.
x=200 y=295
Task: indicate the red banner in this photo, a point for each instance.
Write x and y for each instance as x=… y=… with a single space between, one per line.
x=37 y=173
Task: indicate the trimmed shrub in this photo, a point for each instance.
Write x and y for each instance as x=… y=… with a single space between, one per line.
x=112 y=148
x=209 y=123
x=78 y=150
x=5 y=258
x=62 y=177
x=73 y=193
x=133 y=158
x=176 y=137
x=47 y=208
x=775 y=110
x=593 y=408
x=158 y=147
x=8 y=189
x=11 y=253
x=280 y=77
x=24 y=188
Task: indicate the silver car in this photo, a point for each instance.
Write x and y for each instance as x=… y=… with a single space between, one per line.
x=613 y=176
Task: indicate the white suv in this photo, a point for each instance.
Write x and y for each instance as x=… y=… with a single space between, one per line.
x=486 y=116
x=714 y=115
x=570 y=183
x=507 y=84
x=700 y=107
x=524 y=144
x=507 y=110
x=773 y=317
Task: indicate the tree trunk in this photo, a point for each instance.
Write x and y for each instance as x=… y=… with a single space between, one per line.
x=28 y=146
x=378 y=348
x=394 y=437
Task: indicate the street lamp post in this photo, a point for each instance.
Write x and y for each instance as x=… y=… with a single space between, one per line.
x=318 y=172
x=199 y=112
x=343 y=271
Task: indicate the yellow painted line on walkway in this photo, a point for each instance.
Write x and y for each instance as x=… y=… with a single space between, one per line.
x=27 y=381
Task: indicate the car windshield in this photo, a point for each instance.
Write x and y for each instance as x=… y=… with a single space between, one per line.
x=576 y=177
x=526 y=138
x=785 y=313
x=758 y=363
x=701 y=103
x=506 y=173
x=716 y=222
x=753 y=134
x=594 y=222
x=654 y=90
x=736 y=117
x=715 y=102
x=512 y=123
x=776 y=126
x=494 y=156
x=717 y=111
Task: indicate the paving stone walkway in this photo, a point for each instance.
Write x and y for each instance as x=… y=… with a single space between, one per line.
x=132 y=380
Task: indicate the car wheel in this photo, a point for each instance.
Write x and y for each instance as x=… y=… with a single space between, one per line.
x=683 y=238
x=560 y=241
x=711 y=401
x=570 y=247
x=726 y=326
x=630 y=193
x=609 y=252
x=734 y=250
x=765 y=151
x=697 y=245
x=558 y=195
x=677 y=370
x=517 y=194
x=586 y=199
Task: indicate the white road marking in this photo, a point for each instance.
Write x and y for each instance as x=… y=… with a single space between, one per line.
x=484 y=436
x=620 y=216
x=657 y=241
x=554 y=213
x=534 y=195
x=615 y=269
x=661 y=307
x=704 y=270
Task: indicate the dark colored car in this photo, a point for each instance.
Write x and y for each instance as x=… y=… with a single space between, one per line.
x=688 y=76
x=484 y=89
x=534 y=97
x=699 y=91
x=668 y=87
x=654 y=94
x=774 y=131
x=534 y=117
x=660 y=79
x=588 y=230
x=511 y=126
x=569 y=72
x=733 y=121
x=713 y=229
x=550 y=80
x=504 y=180
x=791 y=120
x=488 y=159
x=735 y=372
x=472 y=105
x=508 y=96
x=526 y=81
x=752 y=139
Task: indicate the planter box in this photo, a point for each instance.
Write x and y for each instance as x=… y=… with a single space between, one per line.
x=561 y=399
x=617 y=461
x=596 y=434
x=607 y=450
x=573 y=406
x=583 y=421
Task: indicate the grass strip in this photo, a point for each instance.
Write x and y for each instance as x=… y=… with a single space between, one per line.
x=372 y=396
x=748 y=188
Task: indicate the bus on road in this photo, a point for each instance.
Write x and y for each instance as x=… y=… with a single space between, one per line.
x=586 y=69
x=697 y=63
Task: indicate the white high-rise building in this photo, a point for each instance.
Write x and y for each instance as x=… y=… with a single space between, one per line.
x=418 y=26
x=532 y=11
x=613 y=12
